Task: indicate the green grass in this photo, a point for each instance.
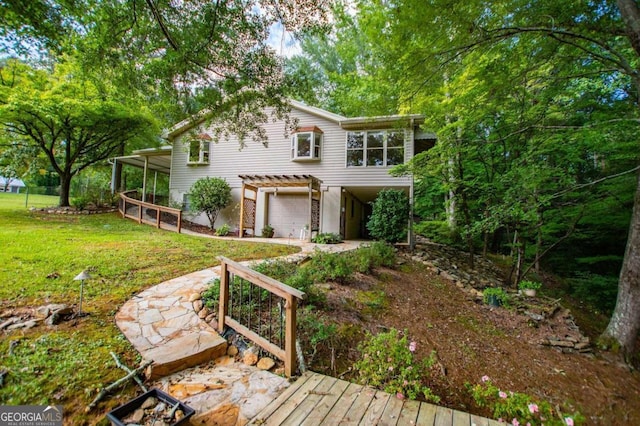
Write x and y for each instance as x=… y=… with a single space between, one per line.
x=24 y=201
x=41 y=256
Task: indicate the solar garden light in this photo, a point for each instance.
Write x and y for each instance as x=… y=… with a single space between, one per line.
x=82 y=276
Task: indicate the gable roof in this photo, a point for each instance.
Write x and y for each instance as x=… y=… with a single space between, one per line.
x=12 y=182
x=344 y=122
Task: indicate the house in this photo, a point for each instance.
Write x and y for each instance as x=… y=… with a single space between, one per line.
x=319 y=179
x=11 y=185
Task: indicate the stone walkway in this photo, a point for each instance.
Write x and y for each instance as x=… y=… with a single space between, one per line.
x=190 y=356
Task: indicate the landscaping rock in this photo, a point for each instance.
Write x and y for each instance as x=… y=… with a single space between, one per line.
x=266 y=364
x=250 y=357
x=232 y=350
x=9 y=322
x=194 y=297
x=204 y=312
x=198 y=305
x=149 y=402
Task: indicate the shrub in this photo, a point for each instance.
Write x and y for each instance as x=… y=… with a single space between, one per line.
x=518 y=408
x=209 y=195
x=80 y=203
x=223 y=230
x=437 y=231
x=529 y=285
x=267 y=231
x=327 y=238
x=368 y=257
x=390 y=216
x=497 y=292
x=388 y=363
x=318 y=332
x=330 y=267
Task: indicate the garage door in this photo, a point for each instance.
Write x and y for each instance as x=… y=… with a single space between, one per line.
x=288 y=214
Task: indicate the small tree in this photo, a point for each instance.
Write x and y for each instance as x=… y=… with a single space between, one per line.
x=390 y=216
x=210 y=195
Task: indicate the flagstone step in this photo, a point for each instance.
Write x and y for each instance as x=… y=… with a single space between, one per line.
x=163 y=326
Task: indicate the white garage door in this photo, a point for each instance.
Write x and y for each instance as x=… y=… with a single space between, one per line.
x=288 y=214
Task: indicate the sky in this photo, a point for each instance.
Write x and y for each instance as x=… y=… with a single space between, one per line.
x=283 y=41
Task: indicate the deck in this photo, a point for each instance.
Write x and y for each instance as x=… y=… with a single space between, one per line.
x=318 y=400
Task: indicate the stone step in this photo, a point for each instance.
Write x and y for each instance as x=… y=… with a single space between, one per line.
x=184 y=352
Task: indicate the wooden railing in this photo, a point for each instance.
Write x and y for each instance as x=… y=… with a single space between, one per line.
x=240 y=298
x=151 y=214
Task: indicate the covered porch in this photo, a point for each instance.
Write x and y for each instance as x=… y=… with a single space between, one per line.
x=251 y=184
x=152 y=161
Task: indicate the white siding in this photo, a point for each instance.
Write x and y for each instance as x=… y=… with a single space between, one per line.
x=228 y=161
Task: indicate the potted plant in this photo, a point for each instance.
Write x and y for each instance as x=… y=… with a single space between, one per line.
x=529 y=288
x=495 y=296
x=267 y=231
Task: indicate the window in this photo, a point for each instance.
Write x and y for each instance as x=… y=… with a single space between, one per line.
x=198 y=151
x=375 y=148
x=306 y=144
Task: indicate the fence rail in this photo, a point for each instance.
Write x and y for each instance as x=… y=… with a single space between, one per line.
x=246 y=304
x=151 y=214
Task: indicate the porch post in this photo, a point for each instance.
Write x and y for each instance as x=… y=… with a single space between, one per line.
x=113 y=176
x=241 y=230
x=310 y=210
x=144 y=179
x=155 y=183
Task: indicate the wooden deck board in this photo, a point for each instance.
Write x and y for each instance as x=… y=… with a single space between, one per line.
x=409 y=413
x=291 y=401
x=479 y=421
x=326 y=403
x=340 y=409
x=444 y=416
x=427 y=415
x=376 y=408
x=391 y=412
x=461 y=419
x=307 y=406
x=316 y=400
x=359 y=406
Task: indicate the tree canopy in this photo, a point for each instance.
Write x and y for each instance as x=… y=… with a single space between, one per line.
x=534 y=103
x=72 y=121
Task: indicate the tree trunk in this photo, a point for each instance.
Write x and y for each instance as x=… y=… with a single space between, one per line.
x=625 y=321
x=65 y=189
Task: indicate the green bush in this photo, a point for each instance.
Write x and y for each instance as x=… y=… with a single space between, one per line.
x=223 y=230
x=519 y=408
x=330 y=267
x=371 y=256
x=211 y=295
x=436 y=231
x=327 y=238
x=388 y=363
x=529 y=285
x=209 y=195
x=390 y=216
x=497 y=292
x=317 y=332
x=80 y=203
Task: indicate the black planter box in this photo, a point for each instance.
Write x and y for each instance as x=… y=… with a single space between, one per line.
x=117 y=415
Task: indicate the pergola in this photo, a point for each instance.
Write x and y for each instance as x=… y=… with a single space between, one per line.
x=252 y=183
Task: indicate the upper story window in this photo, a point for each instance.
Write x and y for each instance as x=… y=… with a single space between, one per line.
x=306 y=144
x=199 y=147
x=375 y=148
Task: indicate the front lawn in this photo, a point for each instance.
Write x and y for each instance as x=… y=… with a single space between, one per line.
x=67 y=364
